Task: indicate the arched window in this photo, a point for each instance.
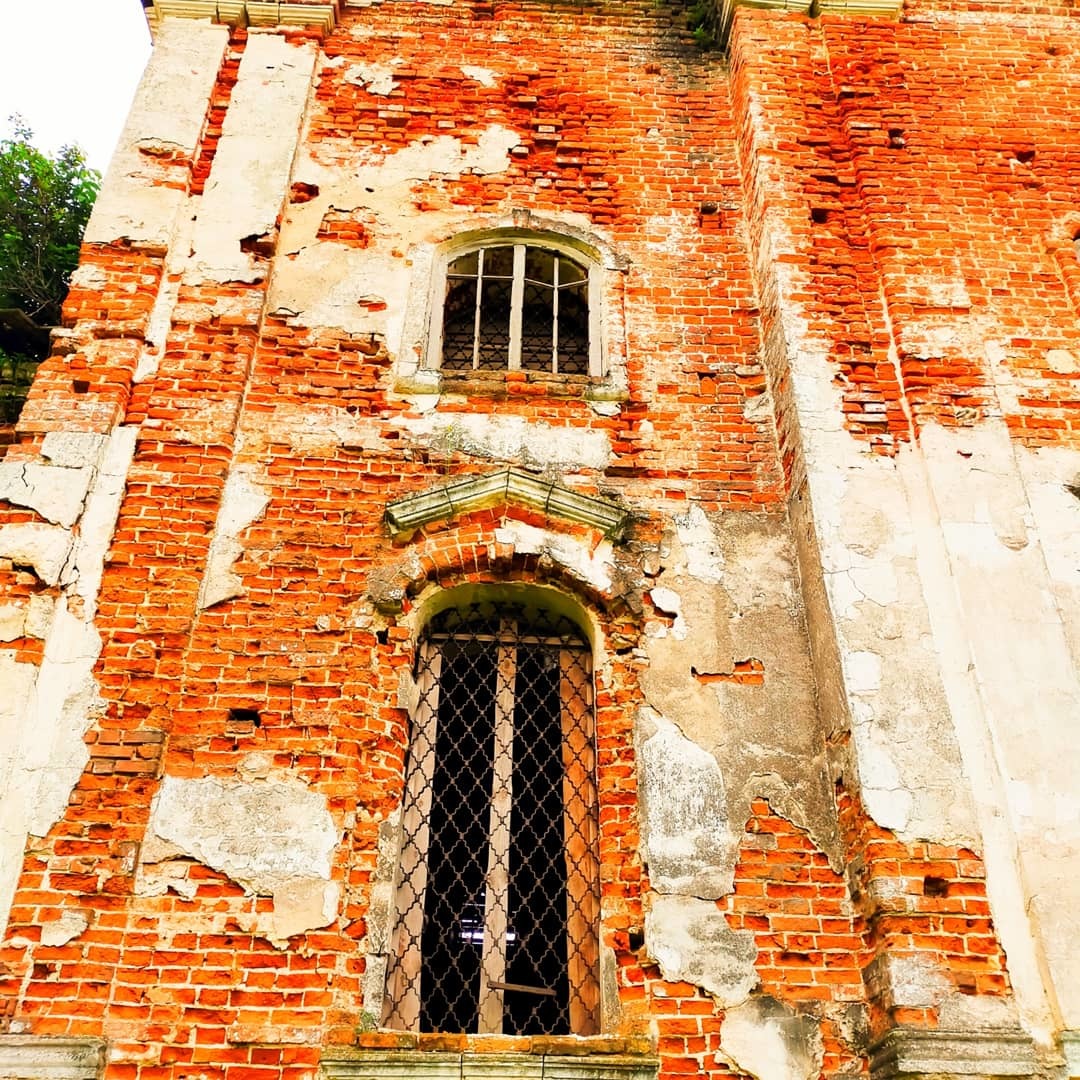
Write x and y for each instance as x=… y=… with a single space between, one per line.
x=497 y=894
x=519 y=306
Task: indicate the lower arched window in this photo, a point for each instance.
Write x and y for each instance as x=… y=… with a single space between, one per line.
x=497 y=892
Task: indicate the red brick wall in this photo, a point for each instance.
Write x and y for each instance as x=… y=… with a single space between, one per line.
x=626 y=124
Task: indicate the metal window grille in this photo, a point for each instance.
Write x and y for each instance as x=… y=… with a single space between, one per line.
x=517 y=307
x=498 y=885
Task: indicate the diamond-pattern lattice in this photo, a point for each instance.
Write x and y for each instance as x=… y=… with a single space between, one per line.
x=497 y=896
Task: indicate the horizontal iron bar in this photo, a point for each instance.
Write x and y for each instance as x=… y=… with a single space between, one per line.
x=521 y=988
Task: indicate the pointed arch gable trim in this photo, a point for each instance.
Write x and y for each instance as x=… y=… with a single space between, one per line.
x=406 y=515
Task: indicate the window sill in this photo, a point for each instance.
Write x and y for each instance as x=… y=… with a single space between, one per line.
x=505 y=384
x=550 y=1058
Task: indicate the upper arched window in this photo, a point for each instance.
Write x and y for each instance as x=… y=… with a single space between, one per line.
x=519 y=306
x=497 y=899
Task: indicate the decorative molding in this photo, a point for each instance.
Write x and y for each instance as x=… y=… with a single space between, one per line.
x=406 y=515
x=352 y=1064
x=1070 y=1048
x=905 y=1052
x=323 y=16
x=726 y=13
x=885 y=9
x=33 y=1057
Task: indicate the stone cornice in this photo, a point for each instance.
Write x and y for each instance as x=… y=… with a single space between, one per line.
x=41 y=1058
x=913 y=1052
x=404 y=516
x=322 y=15
x=725 y=9
x=349 y=1064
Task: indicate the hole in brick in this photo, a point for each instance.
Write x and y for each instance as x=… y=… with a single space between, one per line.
x=637 y=940
x=261 y=245
x=302 y=193
x=819 y=215
x=896 y=138
x=382 y=636
x=80 y=386
x=242 y=721
x=935 y=886
x=1025 y=157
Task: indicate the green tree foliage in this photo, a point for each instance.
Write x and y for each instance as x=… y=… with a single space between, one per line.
x=44 y=205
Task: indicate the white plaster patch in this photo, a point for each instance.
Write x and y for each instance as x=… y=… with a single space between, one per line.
x=304 y=905
x=686 y=838
x=170 y=106
x=375 y=78
x=12 y=621
x=1062 y=362
x=54 y=492
x=766 y=1040
x=481 y=75
x=44 y=548
x=440 y=155
x=691 y=940
x=511 y=438
x=591 y=567
x=242 y=503
x=264 y=834
x=704 y=559
x=73 y=449
x=60 y=931
x=863 y=671
x=886 y=798
x=246 y=187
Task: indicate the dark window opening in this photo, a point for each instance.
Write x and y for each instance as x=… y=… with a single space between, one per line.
x=516 y=307
x=497 y=897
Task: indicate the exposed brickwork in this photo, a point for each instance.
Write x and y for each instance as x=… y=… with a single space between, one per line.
x=934 y=232
x=628 y=129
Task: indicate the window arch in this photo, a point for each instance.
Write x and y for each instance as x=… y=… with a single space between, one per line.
x=517 y=301
x=497 y=892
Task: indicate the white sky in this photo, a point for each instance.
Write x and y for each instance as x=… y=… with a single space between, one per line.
x=69 y=68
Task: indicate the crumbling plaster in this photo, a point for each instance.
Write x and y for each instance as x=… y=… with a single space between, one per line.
x=731 y=590
x=248 y=179
x=915 y=557
x=166 y=121
x=242 y=503
x=1019 y=642
x=767 y=1040
x=42 y=753
x=271 y=834
x=692 y=942
x=329 y=284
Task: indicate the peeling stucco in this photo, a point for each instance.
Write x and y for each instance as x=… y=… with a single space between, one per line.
x=728 y=591
x=533 y=444
x=691 y=941
x=687 y=840
x=274 y=836
x=246 y=188
x=44 y=718
x=242 y=503
x=767 y=1040
x=170 y=107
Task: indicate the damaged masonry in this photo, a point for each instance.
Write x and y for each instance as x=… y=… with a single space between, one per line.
x=546 y=546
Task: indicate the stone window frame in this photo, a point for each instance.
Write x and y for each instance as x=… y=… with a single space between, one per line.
x=382 y=914
x=418 y=370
